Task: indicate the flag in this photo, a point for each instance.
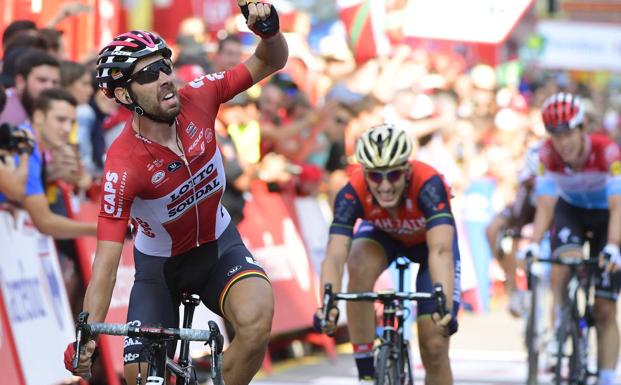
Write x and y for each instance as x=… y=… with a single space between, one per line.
x=364 y=24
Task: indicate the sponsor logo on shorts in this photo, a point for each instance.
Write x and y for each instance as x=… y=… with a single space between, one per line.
x=233 y=270
x=131 y=342
x=129 y=357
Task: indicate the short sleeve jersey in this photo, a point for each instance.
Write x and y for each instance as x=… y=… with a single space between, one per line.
x=426 y=204
x=589 y=187
x=174 y=206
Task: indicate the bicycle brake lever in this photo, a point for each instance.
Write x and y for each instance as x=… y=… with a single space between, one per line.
x=81 y=335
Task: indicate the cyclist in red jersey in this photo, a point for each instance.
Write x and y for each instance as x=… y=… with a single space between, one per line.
x=165 y=173
x=404 y=210
x=578 y=190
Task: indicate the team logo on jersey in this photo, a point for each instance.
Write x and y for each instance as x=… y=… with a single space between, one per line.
x=155 y=164
x=112 y=188
x=201 y=185
x=200 y=81
x=158 y=177
x=208 y=135
x=197 y=141
x=615 y=168
x=191 y=129
x=174 y=166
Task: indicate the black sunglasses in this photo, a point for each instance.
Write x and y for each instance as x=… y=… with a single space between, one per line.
x=151 y=73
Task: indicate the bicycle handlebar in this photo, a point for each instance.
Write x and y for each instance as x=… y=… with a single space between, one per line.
x=384 y=296
x=148 y=332
x=566 y=261
x=85 y=332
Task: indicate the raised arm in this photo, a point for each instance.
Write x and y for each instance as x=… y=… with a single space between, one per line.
x=272 y=52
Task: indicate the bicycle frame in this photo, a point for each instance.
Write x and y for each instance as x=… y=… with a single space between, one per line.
x=393 y=318
x=575 y=321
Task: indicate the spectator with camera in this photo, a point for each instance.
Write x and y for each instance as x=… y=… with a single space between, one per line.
x=17 y=143
x=52 y=118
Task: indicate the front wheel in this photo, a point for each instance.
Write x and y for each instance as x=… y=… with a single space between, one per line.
x=569 y=366
x=386 y=369
x=533 y=332
x=407 y=371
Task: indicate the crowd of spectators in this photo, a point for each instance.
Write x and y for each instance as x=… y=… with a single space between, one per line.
x=296 y=130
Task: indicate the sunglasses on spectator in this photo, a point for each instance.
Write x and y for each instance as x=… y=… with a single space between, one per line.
x=392 y=175
x=151 y=73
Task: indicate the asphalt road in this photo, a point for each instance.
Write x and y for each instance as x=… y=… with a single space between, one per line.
x=487 y=350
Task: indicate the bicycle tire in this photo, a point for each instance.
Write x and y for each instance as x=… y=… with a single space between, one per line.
x=532 y=333
x=407 y=372
x=568 y=370
x=385 y=368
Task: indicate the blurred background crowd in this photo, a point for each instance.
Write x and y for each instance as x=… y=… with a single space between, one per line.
x=472 y=107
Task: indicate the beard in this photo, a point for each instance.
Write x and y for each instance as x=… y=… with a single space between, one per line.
x=153 y=108
x=28 y=102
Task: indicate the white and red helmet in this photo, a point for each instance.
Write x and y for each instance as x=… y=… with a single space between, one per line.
x=116 y=60
x=562 y=112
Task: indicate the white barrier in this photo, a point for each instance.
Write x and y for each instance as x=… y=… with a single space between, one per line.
x=35 y=300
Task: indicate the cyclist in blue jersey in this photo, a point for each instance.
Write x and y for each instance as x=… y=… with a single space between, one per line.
x=578 y=191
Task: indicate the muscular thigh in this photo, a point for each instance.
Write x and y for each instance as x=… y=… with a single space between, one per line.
x=235 y=264
x=371 y=252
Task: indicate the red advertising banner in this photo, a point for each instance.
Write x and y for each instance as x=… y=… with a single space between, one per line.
x=270 y=232
x=9 y=363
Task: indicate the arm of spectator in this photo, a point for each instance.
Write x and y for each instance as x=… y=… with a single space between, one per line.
x=284 y=131
x=274 y=168
x=423 y=127
x=86 y=121
x=67 y=10
x=243 y=180
x=13 y=180
x=384 y=86
x=55 y=225
x=66 y=166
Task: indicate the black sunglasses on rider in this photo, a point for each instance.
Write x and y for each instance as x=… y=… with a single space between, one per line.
x=393 y=175
x=151 y=73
